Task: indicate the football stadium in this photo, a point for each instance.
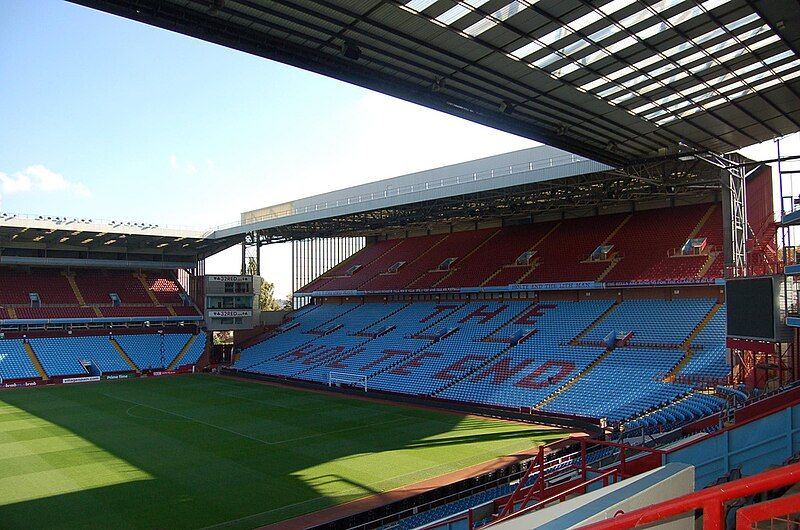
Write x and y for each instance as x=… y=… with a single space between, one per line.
x=599 y=332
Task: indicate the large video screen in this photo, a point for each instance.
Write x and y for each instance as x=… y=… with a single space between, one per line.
x=751 y=308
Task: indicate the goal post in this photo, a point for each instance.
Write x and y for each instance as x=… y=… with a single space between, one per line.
x=345 y=378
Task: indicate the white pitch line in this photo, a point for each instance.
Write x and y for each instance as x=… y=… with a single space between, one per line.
x=191 y=419
x=265 y=442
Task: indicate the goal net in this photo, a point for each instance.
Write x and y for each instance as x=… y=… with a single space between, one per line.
x=344 y=378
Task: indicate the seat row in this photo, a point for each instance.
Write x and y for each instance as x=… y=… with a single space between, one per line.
x=640 y=247
x=517 y=354
x=81 y=355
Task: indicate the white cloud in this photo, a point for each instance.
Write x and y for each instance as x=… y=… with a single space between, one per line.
x=185 y=168
x=38 y=178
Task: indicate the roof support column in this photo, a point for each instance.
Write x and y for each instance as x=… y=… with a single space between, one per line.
x=734 y=209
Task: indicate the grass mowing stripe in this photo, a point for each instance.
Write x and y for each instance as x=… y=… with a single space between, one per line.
x=257 y=456
x=265 y=442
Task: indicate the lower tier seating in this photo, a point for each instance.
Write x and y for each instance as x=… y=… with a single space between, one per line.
x=96 y=354
x=14 y=361
x=502 y=353
x=146 y=350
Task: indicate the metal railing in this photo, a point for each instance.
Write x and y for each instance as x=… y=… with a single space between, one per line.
x=710 y=501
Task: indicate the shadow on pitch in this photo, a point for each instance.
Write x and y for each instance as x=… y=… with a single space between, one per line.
x=223 y=466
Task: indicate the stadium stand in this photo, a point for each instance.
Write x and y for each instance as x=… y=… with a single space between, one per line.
x=14 y=361
x=64 y=355
x=646 y=246
x=43 y=294
x=543 y=355
x=52 y=287
x=145 y=349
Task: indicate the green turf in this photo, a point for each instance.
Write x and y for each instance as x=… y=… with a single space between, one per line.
x=198 y=451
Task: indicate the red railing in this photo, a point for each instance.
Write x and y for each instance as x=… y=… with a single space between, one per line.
x=609 y=477
x=785 y=510
x=710 y=501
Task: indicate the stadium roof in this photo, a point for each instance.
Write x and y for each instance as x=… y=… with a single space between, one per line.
x=611 y=80
x=88 y=237
x=541 y=182
x=490 y=176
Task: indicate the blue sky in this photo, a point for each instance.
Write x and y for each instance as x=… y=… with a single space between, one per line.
x=111 y=119
x=108 y=118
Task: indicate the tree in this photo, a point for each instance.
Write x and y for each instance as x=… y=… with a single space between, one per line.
x=288 y=303
x=266 y=298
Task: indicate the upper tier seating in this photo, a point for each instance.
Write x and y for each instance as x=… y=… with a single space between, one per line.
x=14 y=361
x=503 y=249
x=642 y=247
x=649 y=236
x=503 y=353
x=157 y=294
x=54 y=312
x=97 y=287
x=51 y=286
x=165 y=288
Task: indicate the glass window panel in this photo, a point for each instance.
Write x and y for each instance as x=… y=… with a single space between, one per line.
x=458 y=11
x=789 y=77
x=589 y=18
x=526 y=50
x=655 y=114
x=501 y=15
x=643 y=108
x=616 y=5
x=683 y=61
x=420 y=5
x=648 y=32
x=624 y=97
x=607 y=92
x=635 y=81
x=556 y=35
x=604 y=33
x=736 y=24
x=621 y=45
x=708 y=5
x=679 y=105
x=547 y=60
x=566 y=69
x=680 y=18
x=594 y=84
x=780 y=56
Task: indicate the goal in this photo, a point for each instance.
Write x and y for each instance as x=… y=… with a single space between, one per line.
x=344 y=378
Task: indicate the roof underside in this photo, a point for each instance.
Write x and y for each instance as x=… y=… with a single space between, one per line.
x=94 y=239
x=616 y=81
x=683 y=179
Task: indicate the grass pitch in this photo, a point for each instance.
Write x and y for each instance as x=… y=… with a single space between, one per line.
x=201 y=451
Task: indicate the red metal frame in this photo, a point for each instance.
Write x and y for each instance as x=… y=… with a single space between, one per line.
x=710 y=500
x=748 y=516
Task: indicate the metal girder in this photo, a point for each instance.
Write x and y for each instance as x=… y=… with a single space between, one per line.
x=680 y=179
x=733 y=177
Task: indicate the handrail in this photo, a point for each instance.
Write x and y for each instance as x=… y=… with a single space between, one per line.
x=710 y=500
x=747 y=516
x=604 y=477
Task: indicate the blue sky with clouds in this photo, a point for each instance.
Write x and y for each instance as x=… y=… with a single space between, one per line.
x=111 y=119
